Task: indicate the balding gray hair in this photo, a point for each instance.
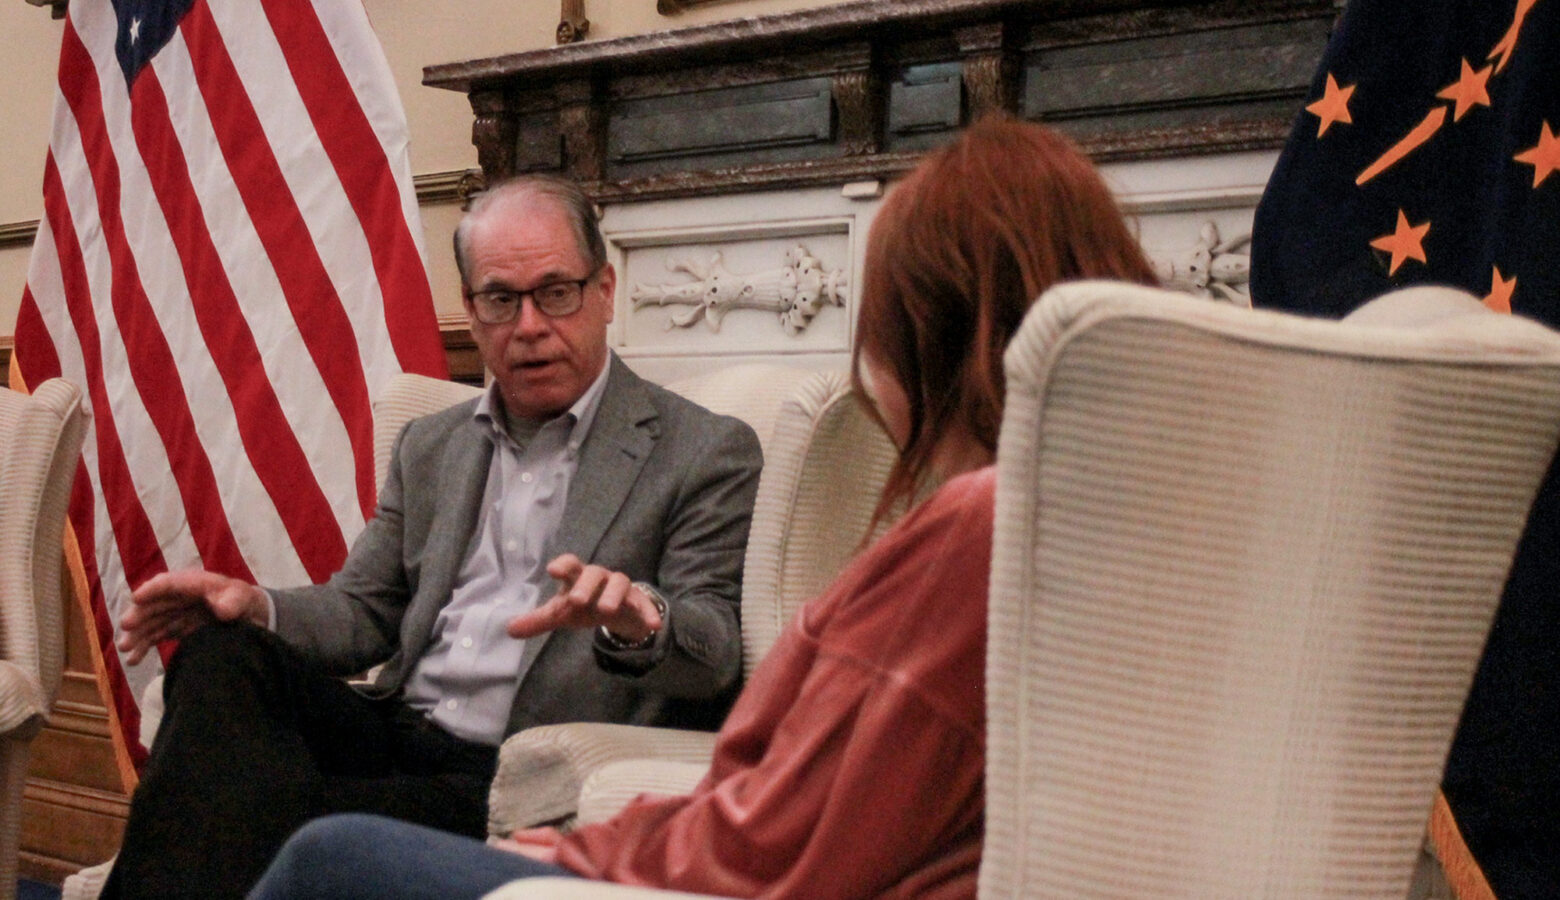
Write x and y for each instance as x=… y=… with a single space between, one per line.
x=577 y=207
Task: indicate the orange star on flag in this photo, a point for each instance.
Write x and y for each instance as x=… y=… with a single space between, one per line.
x=1469 y=90
x=1405 y=242
x=1333 y=107
x=1544 y=156
x=1501 y=289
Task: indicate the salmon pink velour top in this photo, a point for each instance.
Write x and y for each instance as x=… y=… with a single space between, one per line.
x=853 y=764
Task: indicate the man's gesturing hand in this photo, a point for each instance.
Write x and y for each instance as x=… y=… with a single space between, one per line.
x=173 y=604
x=589 y=596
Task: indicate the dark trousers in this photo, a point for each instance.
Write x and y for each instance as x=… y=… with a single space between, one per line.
x=254 y=742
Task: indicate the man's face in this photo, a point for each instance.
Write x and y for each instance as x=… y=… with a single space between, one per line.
x=542 y=364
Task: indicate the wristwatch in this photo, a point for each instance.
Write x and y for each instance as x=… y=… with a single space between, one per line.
x=614 y=642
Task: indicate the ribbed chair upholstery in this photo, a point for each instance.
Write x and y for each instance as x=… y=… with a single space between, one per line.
x=1245 y=564
x=407 y=397
x=40 y=444
x=825 y=461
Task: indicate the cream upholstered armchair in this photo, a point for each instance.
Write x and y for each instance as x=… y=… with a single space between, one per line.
x=825 y=462
x=1244 y=565
x=1244 y=570
x=40 y=443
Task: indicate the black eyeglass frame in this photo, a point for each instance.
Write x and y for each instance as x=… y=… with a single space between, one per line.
x=570 y=302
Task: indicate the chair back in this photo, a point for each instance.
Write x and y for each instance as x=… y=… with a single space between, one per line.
x=1243 y=570
x=408 y=396
x=40 y=444
x=824 y=469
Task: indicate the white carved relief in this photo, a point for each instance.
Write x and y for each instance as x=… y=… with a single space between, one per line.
x=796 y=291
x=1213 y=268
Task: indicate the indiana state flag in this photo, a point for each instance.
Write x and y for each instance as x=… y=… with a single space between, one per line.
x=1429 y=151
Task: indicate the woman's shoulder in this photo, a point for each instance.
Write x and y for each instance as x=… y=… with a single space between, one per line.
x=972 y=492
x=938 y=555
x=958 y=512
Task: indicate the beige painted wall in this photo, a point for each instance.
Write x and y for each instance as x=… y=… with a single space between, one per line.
x=415 y=33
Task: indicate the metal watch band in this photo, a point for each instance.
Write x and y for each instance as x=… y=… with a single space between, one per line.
x=614 y=642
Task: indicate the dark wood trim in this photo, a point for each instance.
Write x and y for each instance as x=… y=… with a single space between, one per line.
x=57 y=7
x=859 y=90
x=447 y=187
x=746 y=38
x=18 y=234
x=460 y=350
x=673 y=7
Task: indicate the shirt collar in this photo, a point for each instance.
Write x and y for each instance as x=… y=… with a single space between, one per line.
x=582 y=413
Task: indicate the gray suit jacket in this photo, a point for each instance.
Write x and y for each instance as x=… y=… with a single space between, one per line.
x=663 y=492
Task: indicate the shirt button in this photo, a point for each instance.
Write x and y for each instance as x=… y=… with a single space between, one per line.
x=511 y=545
x=465 y=642
x=450 y=704
x=527 y=477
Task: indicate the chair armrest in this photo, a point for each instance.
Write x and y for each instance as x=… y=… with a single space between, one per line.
x=23 y=705
x=575 y=889
x=610 y=787
x=541 y=770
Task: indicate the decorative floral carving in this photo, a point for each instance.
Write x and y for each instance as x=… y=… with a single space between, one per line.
x=1212 y=268
x=795 y=291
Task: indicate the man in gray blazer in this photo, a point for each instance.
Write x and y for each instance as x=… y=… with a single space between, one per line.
x=470 y=588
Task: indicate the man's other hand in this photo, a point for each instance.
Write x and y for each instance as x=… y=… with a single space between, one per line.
x=173 y=604
x=589 y=596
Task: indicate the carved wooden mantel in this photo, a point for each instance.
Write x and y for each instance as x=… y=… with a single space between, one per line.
x=857 y=91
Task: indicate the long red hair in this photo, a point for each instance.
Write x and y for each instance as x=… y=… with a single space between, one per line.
x=958 y=252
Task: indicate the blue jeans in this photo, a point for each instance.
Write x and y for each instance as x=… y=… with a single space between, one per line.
x=356 y=855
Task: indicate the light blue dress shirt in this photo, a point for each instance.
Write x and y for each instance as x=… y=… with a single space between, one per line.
x=467 y=680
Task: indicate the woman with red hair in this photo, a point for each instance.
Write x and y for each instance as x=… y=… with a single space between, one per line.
x=853 y=763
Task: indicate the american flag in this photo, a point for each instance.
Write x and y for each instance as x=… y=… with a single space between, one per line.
x=1427 y=153
x=230 y=265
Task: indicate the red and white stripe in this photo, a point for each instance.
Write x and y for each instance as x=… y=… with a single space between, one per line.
x=230 y=264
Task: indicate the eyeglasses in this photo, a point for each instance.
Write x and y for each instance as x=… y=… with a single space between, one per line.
x=555 y=300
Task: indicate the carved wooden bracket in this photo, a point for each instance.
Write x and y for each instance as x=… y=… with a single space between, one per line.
x=989 y=71
x=493 y=133
x=860 y=120
x=572 y=24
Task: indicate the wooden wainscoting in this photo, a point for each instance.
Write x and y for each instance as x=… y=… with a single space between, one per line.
x=74 y=804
